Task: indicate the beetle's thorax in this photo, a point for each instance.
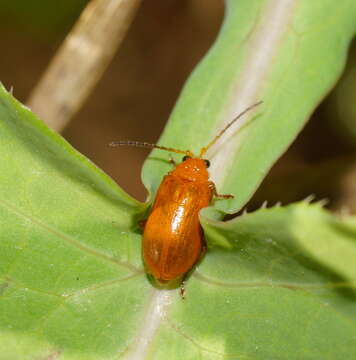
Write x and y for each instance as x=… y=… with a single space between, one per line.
x=192 y=169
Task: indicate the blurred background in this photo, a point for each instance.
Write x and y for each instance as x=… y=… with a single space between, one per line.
x=134 y=98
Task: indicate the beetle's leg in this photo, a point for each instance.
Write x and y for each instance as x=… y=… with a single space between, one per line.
x=142 y=224
x=220 y=196
x=171 y=160
x=182 y=289
x=203 y=251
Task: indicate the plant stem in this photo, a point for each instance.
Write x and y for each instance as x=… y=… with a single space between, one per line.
x=81 y=60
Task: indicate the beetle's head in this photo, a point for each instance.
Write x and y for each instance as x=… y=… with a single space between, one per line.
x=193 y=169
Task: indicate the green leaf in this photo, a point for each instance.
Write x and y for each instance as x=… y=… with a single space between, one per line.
x=72 y=287
x=70 y=264
x=341 y=104
x=281 y=283
x=286 y=53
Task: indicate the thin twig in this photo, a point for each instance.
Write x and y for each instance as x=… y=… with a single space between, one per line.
x=81 y=60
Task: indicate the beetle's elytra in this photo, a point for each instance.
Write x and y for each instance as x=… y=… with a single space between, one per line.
x=173 y=239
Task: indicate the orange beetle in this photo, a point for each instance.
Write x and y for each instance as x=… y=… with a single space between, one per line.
x=173 y=239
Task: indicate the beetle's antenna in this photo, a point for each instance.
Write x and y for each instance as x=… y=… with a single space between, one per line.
x=204 y=149
x=150 y=146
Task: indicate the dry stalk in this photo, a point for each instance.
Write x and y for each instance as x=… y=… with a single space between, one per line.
x=81 y=60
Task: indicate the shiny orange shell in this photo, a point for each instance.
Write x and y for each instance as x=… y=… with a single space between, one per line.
x=173 y=238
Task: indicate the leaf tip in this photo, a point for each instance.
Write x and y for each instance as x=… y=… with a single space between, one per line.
x=322 y=202
x=3 y=88
x=309 y=199
x=264 y=205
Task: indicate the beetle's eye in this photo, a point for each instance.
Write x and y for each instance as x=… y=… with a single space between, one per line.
x=207 y=163
x=186 y=157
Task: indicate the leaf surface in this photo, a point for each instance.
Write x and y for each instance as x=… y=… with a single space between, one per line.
x=288 y=54
x=274 y=284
